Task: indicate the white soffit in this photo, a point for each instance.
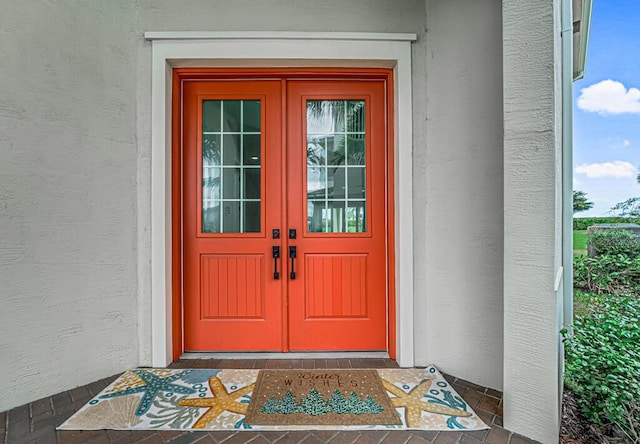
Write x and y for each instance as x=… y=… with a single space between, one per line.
x=581 y=27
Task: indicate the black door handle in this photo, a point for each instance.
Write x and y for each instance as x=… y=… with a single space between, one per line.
x=292 y=255
x=275 y=253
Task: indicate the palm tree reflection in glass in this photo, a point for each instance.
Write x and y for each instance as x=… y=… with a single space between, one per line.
x=211 y=184
x=336 y=171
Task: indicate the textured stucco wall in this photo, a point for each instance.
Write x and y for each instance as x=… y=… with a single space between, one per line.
x=75 y=301
x=249 y=15
x=532 y=105
x=458 y=175
x=75 y=170
x=67 y=195
x=457 y=116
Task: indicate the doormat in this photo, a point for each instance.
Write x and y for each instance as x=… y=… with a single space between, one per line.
x=205 y=399
x=320 y=397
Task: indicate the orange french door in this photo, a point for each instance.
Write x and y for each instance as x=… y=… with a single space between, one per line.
x=284 y=204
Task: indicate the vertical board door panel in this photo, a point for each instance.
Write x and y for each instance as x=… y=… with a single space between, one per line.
x=336 y=286
x=231 y=286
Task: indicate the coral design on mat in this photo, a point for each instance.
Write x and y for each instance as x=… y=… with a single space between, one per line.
x=169 y=412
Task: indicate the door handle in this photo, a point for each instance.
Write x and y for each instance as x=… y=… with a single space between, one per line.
x=292 y=255
x=275 y=253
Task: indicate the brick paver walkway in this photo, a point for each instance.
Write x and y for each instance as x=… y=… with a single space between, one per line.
x=36 y=422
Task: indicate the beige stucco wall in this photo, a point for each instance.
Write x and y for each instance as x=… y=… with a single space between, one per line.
x=247 y=15
x=68 y=278
x=532 y=206
x=75 y=177
x=458 y=193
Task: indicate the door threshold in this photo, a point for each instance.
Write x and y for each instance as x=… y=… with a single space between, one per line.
x=291 y=355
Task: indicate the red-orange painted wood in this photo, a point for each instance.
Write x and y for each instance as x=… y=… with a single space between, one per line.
x=231 y=301
x=339 y=299
x=283 y=210
x=193 y=73
x=176 y=218
x=390 y=220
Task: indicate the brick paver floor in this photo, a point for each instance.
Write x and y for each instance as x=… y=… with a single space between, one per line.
x=36 y=422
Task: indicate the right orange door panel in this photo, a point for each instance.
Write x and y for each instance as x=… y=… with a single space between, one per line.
x=304 y=155
x=336 y=201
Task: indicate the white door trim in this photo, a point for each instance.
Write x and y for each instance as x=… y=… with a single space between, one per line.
x=239 y=49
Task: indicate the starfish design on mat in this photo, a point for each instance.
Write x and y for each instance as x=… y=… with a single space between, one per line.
x=222 y=400
x=153 y=384
x=414 y=404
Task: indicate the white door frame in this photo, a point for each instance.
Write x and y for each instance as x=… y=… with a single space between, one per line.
x=276 y=49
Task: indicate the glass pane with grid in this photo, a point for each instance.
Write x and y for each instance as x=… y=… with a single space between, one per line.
x=231 y=166
x=336 y=172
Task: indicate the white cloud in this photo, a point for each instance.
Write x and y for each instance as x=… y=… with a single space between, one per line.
x=617 y=168
x=609 y=97
x=626 y=143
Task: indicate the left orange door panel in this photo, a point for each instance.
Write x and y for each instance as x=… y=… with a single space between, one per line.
x=232 y=199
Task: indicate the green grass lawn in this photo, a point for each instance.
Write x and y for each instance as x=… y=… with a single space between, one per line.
x=579 y=242
x=580 y=300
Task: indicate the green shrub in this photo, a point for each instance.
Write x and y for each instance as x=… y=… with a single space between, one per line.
x=608 y=273
x=581 y=302
x=582 y=223
x=603 y=361
x=614 y=241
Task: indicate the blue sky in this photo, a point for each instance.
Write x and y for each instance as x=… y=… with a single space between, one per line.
x=607 y=108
